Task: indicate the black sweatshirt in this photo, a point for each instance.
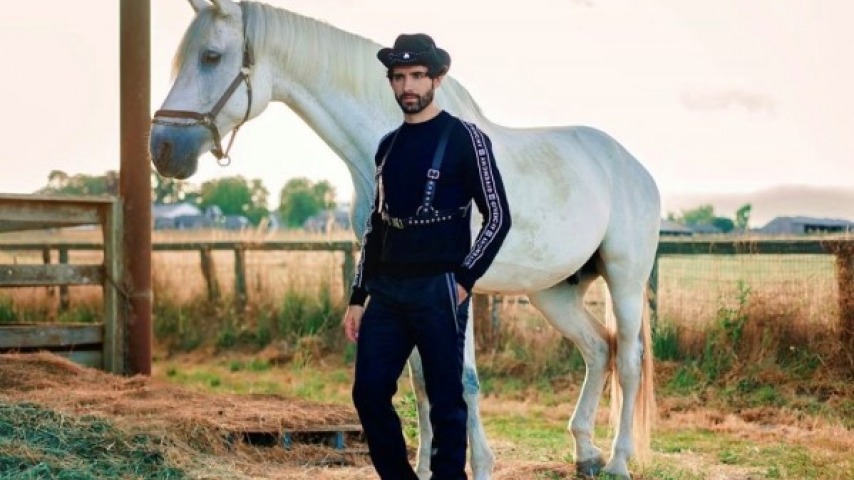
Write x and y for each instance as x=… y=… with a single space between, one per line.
x=468 y=173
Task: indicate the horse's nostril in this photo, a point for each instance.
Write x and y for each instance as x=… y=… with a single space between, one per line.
x=164 y=152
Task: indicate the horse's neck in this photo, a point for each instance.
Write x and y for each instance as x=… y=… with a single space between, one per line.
x=333 y=81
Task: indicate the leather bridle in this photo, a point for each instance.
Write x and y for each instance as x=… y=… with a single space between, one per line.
x=208 y=120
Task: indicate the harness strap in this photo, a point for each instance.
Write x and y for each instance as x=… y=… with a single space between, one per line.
x=426 y=209
x=425 y=214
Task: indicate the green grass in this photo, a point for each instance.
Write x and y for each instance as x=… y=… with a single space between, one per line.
x=255 y=375
x=543 y=439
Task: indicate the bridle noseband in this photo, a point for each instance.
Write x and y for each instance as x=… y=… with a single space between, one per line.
x=208 y=120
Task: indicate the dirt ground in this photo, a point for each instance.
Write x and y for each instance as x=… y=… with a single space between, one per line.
x=197 y=430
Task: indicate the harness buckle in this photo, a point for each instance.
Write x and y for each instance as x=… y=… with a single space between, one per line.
x=426 y=211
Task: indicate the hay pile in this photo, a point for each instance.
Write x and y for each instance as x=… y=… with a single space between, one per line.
x=151 y=405
x=37 y=443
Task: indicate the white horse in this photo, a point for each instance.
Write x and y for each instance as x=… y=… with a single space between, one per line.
x=577 y=197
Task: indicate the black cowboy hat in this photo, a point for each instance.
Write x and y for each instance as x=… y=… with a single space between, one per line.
x=416 y=49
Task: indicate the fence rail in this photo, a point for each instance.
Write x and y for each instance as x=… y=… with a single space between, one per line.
x=841 y=249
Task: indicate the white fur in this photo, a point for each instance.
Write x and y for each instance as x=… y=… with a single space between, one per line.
x=572 y=191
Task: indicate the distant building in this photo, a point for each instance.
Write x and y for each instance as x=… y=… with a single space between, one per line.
x=672 y=229
x=328 y=221
x=185 y=216
x=167 y=216
x=235 y=222
x=705 y=229
x=806 y=226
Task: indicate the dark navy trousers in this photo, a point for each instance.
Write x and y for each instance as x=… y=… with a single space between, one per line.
x=403 y=313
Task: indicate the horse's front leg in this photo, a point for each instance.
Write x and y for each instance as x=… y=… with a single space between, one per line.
x=482 y=458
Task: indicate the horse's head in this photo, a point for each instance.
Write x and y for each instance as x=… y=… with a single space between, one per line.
x=217 y=87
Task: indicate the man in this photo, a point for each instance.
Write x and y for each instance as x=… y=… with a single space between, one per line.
x=418 y=262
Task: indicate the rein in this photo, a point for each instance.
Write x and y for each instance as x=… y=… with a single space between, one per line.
x=208 y=120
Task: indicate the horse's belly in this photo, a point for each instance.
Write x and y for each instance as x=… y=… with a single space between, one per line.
x=540 y=252
x=507 y=278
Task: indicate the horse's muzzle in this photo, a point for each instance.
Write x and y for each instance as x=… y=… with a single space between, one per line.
x=175 y=150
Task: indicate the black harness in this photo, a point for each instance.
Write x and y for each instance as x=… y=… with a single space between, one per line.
x=426 y=214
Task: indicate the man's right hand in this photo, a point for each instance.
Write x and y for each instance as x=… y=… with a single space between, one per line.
x=352 y=321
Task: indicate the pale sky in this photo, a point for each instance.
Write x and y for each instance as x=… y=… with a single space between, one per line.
x=713 y=96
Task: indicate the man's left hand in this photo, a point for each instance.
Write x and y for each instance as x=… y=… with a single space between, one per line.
x=462 y=295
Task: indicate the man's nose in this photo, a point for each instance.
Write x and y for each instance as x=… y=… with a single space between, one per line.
x=408 y=84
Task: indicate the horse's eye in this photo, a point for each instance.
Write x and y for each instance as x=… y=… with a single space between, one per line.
x=210 y=57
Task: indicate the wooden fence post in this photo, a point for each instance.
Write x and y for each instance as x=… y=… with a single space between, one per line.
x=653 y=295
x=209 y=272
x=116 y=303
x=240 y=296
x=484 y=332
x=845 y=283
x=46 y=260
x=348 y=270
x=63 y=289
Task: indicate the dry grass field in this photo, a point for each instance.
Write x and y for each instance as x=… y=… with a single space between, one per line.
x=691 y=288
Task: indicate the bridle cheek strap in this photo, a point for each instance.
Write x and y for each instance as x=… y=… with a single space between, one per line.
x=208 y=120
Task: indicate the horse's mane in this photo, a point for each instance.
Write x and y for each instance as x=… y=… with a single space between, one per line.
x=346 y=60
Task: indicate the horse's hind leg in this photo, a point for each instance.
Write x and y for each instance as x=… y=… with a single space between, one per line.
x=628 y=300
x=563 y=306
x=482 y=458
x=422 y=408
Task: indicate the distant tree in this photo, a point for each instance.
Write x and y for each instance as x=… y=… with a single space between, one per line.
x=704 y=215
x=236 y=196
x=742 y=217
x=61 y=183
x=166 y=190
x=725 y=225
x=301 y=199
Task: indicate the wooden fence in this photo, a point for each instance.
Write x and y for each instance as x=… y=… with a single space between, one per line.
x=100 y=345
x=206 y=249
x=841 y=249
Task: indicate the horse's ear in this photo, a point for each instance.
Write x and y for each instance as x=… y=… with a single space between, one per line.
x=226 y=8
x=199 y=5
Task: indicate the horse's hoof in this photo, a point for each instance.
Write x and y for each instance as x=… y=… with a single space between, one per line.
x=589 y=468
x=606 y=475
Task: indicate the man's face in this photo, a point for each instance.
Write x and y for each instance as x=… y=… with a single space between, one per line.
x=413 y=89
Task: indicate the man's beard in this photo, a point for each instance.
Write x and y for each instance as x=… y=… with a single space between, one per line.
x=419 y=105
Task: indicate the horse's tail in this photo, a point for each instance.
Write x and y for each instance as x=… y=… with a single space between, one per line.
x=645 y=408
